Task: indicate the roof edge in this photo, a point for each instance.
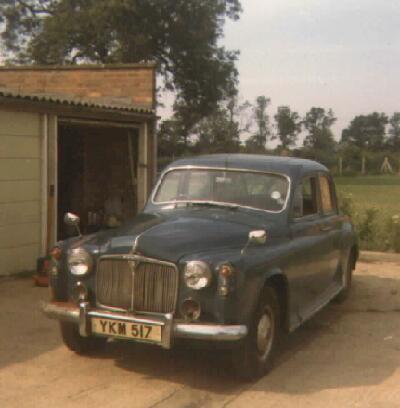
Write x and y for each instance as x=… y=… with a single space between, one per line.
x=62 y=100
x=93 y=67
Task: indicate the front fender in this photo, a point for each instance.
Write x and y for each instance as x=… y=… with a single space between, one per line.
x=251 y=291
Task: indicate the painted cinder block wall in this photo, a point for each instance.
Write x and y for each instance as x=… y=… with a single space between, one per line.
x=128 y=83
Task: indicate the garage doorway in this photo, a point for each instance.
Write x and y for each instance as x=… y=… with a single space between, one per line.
x=97 y=175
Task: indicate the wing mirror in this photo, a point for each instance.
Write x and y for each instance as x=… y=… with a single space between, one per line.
x=73 y=220
x=256 y=237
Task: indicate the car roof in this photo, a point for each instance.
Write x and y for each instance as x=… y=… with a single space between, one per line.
x=257 y=162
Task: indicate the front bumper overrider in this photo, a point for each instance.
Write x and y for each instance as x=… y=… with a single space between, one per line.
x=81 y=315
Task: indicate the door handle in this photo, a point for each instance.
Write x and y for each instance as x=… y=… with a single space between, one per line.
x=325 y=228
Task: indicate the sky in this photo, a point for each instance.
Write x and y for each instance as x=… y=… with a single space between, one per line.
x=343 y=55
x=339 y=54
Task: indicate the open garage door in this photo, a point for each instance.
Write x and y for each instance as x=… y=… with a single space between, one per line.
x=97 y=174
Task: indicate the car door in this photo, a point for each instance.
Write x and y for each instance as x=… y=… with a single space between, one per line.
x=307 y=270
x=331 y=227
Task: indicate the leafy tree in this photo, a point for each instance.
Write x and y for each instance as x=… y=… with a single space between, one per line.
x=257 y=142
x=367 y=131
x=318 y=124
x=171 y=143
x=220 y=132
x=182 y=36
x=289 y=126
x=394 y=131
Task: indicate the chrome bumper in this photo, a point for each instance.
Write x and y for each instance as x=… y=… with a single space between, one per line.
x=81 y=315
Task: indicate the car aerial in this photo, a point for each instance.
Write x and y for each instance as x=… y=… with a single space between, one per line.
x=231 y=249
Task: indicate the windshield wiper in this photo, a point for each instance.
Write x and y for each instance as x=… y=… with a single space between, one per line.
x=213 y=204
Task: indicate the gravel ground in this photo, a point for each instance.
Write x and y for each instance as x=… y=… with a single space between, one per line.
x=346 y=356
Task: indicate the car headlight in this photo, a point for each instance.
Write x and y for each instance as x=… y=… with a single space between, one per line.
x=197 y=275
x=79 y=261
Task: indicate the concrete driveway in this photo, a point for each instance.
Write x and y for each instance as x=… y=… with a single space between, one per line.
x=347 y=356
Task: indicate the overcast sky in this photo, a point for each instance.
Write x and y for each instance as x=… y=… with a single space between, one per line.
x=343 y=55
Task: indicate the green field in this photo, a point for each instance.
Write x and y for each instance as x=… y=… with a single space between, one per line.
x=380 y=192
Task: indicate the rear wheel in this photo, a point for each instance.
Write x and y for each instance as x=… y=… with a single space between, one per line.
x=347 y=276
x=255 y=355
x=75 y=342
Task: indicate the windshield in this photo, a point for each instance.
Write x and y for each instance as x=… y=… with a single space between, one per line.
x=264 y=191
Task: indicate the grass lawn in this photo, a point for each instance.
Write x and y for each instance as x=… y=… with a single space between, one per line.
x=382 y=192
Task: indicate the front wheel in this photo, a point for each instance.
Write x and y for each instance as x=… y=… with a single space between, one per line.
x=75 y=342
x=255 y=355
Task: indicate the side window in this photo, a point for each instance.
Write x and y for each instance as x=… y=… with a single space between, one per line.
x=305 y=200
x=327 y=200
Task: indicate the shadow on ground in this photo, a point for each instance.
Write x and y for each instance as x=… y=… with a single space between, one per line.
x=350 y=345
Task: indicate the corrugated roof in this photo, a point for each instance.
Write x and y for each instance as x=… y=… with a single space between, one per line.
x=61 y=99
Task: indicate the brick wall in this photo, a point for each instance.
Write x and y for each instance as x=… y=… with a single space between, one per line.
x=131 y=83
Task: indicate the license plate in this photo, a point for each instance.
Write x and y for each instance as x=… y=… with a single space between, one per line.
x=127 y=330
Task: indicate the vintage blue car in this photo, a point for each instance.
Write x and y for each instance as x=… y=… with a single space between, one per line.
x=234 y=249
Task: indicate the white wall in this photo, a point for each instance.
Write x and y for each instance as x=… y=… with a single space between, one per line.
x=20 y=191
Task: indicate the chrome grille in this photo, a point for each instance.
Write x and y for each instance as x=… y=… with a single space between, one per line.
x=114 y=283
x=147 y=285
x=155 y=288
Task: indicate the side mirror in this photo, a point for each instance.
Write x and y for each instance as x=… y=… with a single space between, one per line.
x=258 y=237
x=72 y=220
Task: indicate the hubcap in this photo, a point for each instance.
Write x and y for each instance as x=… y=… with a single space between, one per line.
x=265 y=333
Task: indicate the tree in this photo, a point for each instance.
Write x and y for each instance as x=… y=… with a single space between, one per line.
x=394 y=131
x=171 y=143
x=367 y=131
x=220 y=132
x=318 y=124
x=257 y=142
x=289 y=126
x=182 y=36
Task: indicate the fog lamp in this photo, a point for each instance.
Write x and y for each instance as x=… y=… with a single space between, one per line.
x=190 y=309
x=79 y=293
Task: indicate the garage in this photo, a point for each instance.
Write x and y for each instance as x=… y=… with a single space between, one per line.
x=97 y=174
x=91 y=155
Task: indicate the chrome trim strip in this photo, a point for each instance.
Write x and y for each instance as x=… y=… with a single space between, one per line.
x=81 y=315
x=215 y=332
x=66 y=312
x=190 y=167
